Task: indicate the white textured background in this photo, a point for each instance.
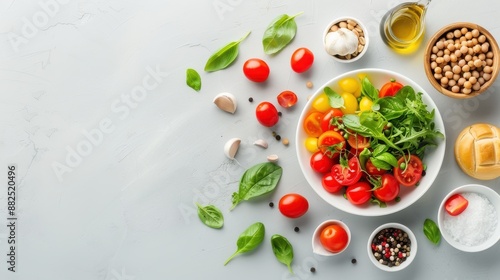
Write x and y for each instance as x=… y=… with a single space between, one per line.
x=124 y=210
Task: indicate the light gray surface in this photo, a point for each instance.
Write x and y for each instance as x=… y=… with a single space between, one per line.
x=125 y=209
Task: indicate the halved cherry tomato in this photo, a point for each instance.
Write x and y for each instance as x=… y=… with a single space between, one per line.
x=287 y=99
x=312 y=124
x=256 y=70
x=330 y=184
x=320 y=162
x=390 y=89
x=456 y=204
x=331 y=143
x=293 y=205
x=359 y=193
x=411 y=173
x=358 y=142
x=334 y=238
x=302 y=59
x=266 y=114
x=347 y=175
x=372 y=169
x=326 y=122
x=389 y=189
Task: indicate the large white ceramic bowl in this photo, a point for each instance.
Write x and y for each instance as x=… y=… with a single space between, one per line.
x=487 y=192
x=433 y=157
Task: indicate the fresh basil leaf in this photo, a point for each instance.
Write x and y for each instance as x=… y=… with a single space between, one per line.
x=193 y=79
x=363 y=158
x=249 y=239
x=210 y=216
x=224 y=56
x=336 y=101
x=258 y=180
x=380 y=164
x=391 y=107
x=431 y=231
x=279 y=33
x=389 y=159
x=368 y=90
x=379 y=149
x=283 y=250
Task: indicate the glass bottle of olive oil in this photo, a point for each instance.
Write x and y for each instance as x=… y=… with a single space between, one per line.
x=402 y=28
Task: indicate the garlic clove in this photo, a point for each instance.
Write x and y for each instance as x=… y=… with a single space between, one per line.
x=272 y=158
x=226 y=102
x=231 y=147
x=341 y=42
x=261 y=143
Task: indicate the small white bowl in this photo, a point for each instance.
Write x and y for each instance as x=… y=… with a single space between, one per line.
x=493 y=197
x=365 y=35
x=316 y=243
x=413 y=246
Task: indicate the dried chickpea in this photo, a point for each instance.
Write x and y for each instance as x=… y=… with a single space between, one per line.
x=481 y=39
x=475 y=33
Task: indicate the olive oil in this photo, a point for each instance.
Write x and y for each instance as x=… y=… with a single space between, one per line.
x=402 y=28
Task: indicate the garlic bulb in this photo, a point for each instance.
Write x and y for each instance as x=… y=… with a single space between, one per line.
x=341 y=42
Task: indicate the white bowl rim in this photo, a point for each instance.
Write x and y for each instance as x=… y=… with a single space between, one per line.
x=365 y=32
x=316 y=244
x=407 y=262
x=494 y=198
x=431 y=174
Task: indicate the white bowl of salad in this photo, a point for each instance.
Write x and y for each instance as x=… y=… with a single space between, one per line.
x=370 y=142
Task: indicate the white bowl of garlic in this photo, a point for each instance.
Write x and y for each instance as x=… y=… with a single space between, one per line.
x=345 y=39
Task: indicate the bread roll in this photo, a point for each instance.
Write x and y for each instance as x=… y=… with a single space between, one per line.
x=477 y=151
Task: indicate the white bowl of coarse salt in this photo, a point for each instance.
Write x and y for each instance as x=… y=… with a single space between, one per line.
x=477 y=228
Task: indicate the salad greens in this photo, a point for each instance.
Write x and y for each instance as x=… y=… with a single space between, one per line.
x=249 y=239
x=258 y=180
x=398 y=125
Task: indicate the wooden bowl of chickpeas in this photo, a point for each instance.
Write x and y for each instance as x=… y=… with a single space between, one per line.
x=461 y=60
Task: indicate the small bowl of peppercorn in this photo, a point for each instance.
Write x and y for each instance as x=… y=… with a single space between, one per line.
x=461 y=60
x=392 y=247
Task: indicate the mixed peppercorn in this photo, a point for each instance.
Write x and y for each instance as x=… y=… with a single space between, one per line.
x=391 y=246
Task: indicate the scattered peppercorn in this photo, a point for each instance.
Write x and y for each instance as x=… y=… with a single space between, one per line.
x=271 y=204
x=296 y=229
x=280 y=114
x=274 y=134
x=250 y=99
x=313 y=269
x=353 y=261
x=278 y=137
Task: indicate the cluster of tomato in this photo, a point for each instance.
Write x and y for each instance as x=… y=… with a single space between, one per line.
x=335 y=150
x=257 y=70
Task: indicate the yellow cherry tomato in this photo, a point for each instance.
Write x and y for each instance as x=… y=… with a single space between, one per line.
x=311 y=144
x=351 y=85
x=350 y=103
x=365 y=104
x=321 y=103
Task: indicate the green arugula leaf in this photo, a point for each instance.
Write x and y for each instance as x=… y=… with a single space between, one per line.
x=224 y=56
x=279 y=33
x=193 y=79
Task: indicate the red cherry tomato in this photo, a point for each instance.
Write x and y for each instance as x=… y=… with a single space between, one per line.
x=389 y=189
x=358 y=142
x=256 y=70
x=302 y=59
x=390 y=89
x=293 y=205
x=456 y=204
x=326 y=122
x=287 y=99
x=330 y=184
x=331 y=143
x=267 y=114
x=411 y=173
x=347 y=175
x=359 y=193
x=320 y=162
x=373 y=170
x=334 y=238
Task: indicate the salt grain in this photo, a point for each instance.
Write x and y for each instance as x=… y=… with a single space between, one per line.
x=476 y=224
